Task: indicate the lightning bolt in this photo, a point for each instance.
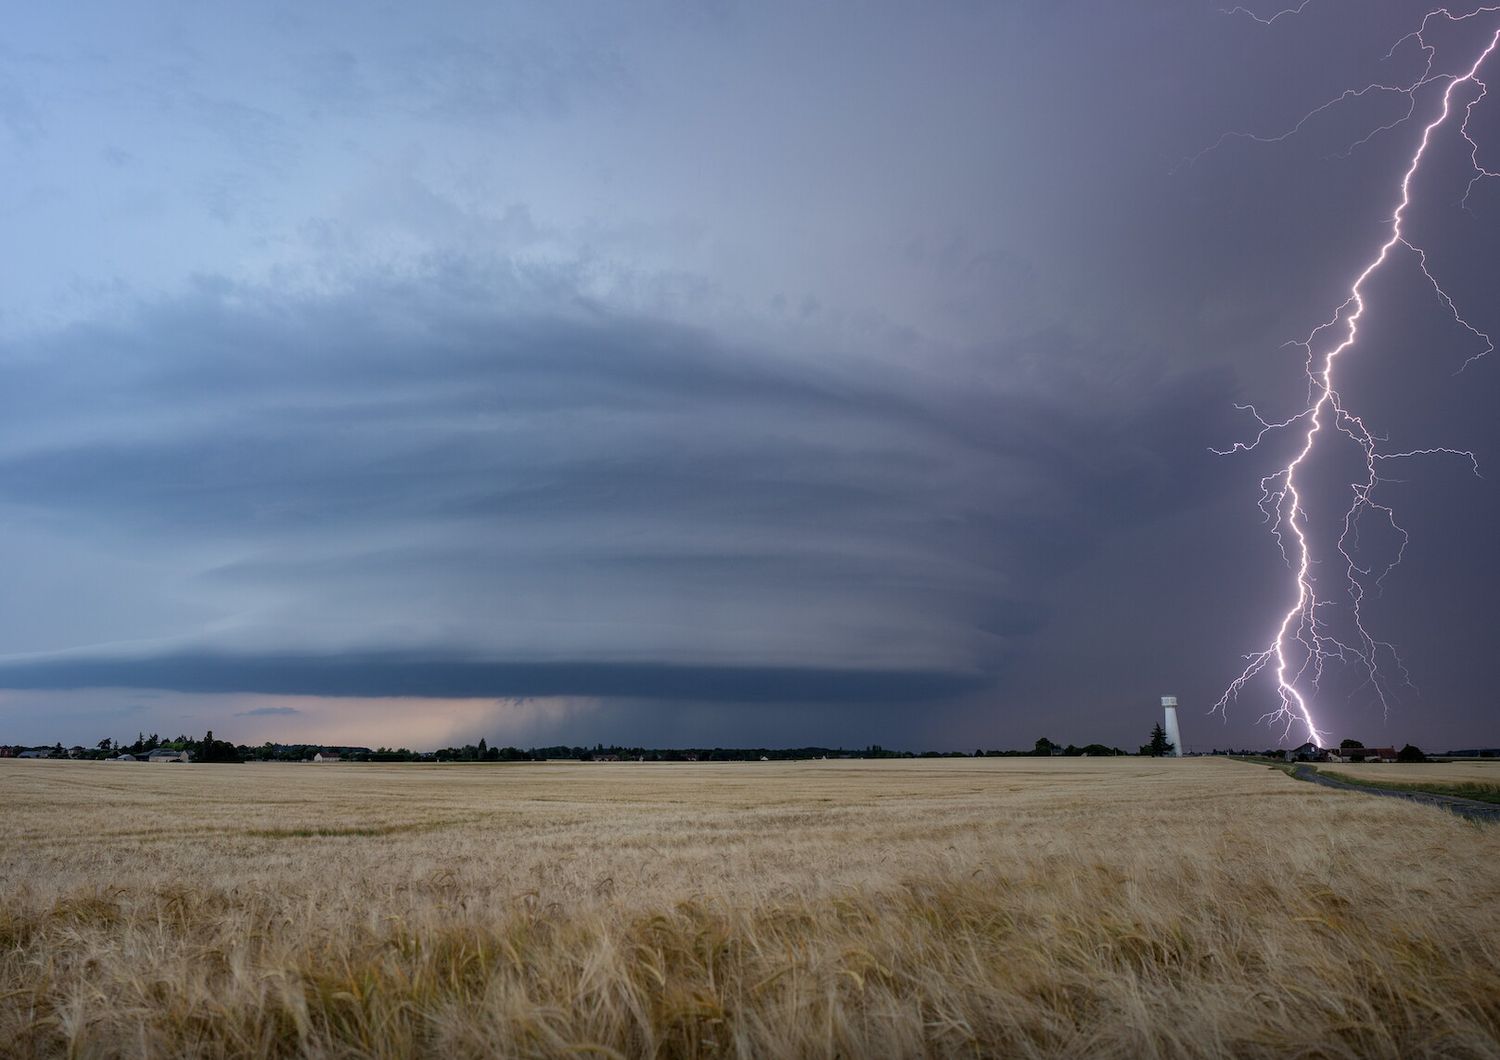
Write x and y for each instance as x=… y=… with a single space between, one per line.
x=1264 y=20
x=1303 y=642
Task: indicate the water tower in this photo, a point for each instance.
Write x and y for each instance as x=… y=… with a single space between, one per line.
x=1169 y=708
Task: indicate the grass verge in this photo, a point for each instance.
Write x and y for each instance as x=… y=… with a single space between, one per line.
x=1477 y=792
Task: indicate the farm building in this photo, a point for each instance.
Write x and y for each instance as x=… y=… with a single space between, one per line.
x=325 y=756
x=1363 y=754
x=1308 y=752
x=166 y=754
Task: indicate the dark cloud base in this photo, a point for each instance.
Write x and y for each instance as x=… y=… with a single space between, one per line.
x=387 y=675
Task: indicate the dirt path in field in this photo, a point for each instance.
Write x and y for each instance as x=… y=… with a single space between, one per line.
x=1474 y=811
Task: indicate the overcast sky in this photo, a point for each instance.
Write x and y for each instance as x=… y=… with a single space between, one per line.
x=710 y=373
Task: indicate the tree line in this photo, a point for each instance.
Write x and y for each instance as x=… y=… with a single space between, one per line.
x=209 y=749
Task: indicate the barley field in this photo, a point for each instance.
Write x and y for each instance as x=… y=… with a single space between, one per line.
x=1076 y=908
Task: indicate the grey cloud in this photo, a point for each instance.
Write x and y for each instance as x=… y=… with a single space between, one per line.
x=499 y=413
x=624 y=484
x=398 y=674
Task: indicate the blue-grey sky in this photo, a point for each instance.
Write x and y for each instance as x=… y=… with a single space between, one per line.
x=710 y=373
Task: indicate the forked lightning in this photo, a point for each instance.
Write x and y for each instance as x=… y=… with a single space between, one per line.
x=1303 y=642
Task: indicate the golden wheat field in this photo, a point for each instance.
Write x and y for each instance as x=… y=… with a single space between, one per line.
x=1084 y=908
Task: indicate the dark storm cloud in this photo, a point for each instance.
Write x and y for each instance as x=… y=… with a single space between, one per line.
x=599 y=471
x=397 y=675
x=317 y=412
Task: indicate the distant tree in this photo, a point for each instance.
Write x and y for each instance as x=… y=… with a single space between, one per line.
x=1159 y=744
x=211 y=750
x=1410 y=753
x=1044 y=747
x=106 y=744
x=1345 y=745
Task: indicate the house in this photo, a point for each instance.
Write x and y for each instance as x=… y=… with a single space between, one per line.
x=325 y=756
x=1308 y=752
x=43 y=753
x=123 y=756
x=166 y=754
x=1363 y=754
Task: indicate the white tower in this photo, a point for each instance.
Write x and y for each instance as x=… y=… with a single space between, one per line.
x=1169 y=708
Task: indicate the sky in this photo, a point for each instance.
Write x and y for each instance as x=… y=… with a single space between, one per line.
x=688 y=374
